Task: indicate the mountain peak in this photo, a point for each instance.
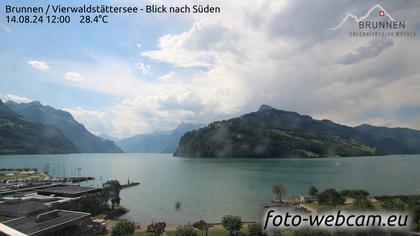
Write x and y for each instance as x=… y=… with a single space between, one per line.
x=265 y=107
x=37 y=103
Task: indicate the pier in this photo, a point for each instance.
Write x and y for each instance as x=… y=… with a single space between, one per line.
x=132 y=184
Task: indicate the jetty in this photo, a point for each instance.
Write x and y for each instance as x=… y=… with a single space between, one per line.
x=132 y=184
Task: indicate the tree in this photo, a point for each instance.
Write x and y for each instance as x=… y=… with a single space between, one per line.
x=330 y=197
x=416 y=216
x=279 y=189
x=123 y=228
x=313 y=191
x=156 y=229
x=185 y=230
x=232 y=224
x=354 y=193
x=111 y=191
x=202 y=226
x=256 y=229
x=391 y=204
x=362 y=203
x=115 y=201
x=90 y=203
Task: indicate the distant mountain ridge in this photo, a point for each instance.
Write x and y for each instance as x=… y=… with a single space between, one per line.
x=20 y=136
x=269 y=132
x=157 y=142
x=84 y=140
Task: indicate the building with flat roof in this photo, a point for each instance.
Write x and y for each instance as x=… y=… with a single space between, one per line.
x=70 y=191
x=55 y=222
x=19 y=208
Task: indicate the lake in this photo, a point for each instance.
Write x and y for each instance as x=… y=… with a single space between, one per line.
x=211 y=188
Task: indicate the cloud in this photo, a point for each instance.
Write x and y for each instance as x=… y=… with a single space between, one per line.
x=94 y=121
x=39 y=65
x=162 y=111
x=371 y=50
x=145 y=69
x=102 y=73
x=197 y=47
x=257 y=52
x=15 y=98
x=168 y=78
x=287 y=57
x=73 y=76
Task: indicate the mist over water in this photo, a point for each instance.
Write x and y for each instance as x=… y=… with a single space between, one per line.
x=210 y=188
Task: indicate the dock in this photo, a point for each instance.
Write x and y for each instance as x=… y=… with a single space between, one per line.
x=132 y=184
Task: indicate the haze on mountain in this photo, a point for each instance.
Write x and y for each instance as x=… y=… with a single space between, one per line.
x=84 y=140
x=20 y=136
x=273 y=133
x=157 y=142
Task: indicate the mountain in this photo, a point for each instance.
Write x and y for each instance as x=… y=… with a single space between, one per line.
x=269 y=132
x=108 y=137
x=157 y=142
x=20 y=136
x=393 y=140
x=85 y=141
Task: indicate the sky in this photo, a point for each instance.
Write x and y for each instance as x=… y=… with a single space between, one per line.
x=149 y=72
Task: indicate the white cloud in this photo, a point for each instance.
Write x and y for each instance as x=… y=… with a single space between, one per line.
x=39 y=65
x=169 y=77
x=101 y=73
x=15 y=98
x=94 y=121
x=73 y=76
x=272 y=52
x=145 y=69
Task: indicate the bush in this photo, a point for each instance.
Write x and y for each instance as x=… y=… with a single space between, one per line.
x=185 y=230
x=313 y=191
x=256 y=229
x=123 y=228
x=392 y=205
x=362 y=203
x=354 y=193
x=232 y=224
x=156 y=229
x=330 y=197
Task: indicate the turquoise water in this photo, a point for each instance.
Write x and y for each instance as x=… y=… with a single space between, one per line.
x=210 y=188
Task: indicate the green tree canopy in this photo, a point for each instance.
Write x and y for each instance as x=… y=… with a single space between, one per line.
x=391 y=204
x=354 y=193
x=185 y=230
x=256 y=229
x=232 y=224
x=279 y=189
x=111 y=191
x=313 y=191
x=123 y=228
x=202 y=225
x=330 y=197
x=362 y=203
x=156 y=229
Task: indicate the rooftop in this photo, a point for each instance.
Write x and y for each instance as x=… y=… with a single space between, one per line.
x=44 y=223
x=22 y=208
x=67 y=191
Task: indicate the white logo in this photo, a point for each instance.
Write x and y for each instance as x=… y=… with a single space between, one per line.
x=382 y=12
